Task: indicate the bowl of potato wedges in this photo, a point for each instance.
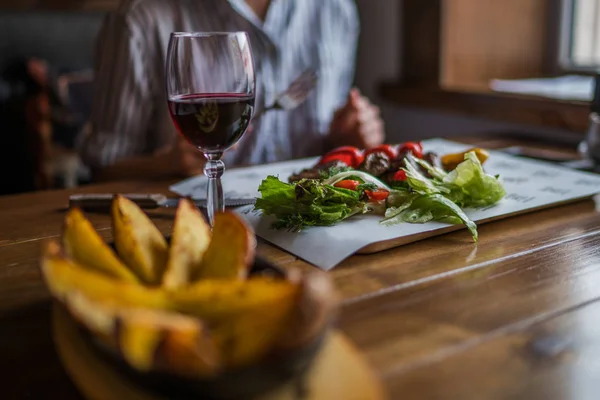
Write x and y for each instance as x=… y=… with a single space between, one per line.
x=192 y=313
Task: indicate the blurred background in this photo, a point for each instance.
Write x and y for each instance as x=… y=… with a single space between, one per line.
x=437 y=68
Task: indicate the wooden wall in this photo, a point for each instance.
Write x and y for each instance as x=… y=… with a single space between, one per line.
x=487 y=39
x=463 y=44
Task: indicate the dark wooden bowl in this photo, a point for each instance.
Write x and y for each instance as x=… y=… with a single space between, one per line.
x=245 y=383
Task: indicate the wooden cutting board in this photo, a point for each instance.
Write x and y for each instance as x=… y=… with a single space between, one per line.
x=400 y=241
x=339 y=371
x=530 y=186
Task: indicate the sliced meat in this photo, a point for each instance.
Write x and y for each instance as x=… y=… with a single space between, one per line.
x=315 y=172
x=388 y=177
x=305 y=174
x=398 y=162
x=375 y=164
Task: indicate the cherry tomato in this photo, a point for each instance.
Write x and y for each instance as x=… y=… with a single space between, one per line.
x=349 y=155
x=347 y=184
x=343 y=158
x=399 y=176
x=387 y=149
x=377 y=195
x=414 y=147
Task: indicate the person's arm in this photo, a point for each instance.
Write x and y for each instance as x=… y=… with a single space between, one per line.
x=116 y=146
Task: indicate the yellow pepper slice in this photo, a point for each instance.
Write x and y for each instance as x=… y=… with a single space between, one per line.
x=451 y=161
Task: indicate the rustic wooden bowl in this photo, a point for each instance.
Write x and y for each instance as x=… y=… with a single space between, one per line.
x=245 y=383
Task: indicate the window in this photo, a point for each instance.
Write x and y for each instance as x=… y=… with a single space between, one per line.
x=453 y=49
x=581 y=35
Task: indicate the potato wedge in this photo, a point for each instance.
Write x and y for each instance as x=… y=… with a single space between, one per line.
x=314 y=309
x=62 y=275
x=190 y=239
x=231 y=251
x=139 y=242
x=149 y=339
x=249 y=337
x=191 y=351
x=82 y=243
x=215 y=300
x=246 y=318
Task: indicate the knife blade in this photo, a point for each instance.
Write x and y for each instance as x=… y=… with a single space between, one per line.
x=102 y=201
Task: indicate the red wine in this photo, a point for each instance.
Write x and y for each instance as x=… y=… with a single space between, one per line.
x=212 y=122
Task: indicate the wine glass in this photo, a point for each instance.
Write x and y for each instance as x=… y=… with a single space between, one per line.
x=210 y=90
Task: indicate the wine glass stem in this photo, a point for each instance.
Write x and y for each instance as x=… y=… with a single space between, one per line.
x=213 y=169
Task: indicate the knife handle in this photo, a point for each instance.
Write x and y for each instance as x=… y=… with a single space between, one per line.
x=103 y=201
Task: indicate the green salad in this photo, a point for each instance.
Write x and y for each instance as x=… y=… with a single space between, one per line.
x=436 y=195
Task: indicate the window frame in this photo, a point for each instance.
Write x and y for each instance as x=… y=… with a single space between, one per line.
x=565 y=42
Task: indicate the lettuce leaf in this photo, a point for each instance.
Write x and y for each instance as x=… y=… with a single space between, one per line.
x=468 y=185
x=306 y=203
x=422 y=208
x=332 y=171
x=471 y=186
x=420 y=183
x=440 y=198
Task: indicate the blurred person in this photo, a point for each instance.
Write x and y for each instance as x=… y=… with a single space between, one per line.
x=131 y=135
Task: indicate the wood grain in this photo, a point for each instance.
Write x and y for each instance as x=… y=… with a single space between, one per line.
x=466 y=43
x=488 y=39
x=437 y=318
x=556 y=356
x=513 y=317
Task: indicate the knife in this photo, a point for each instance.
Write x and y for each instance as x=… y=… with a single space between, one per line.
x=102 y=201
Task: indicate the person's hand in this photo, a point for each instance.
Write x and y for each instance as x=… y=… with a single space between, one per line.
x=183 y=159
x=357 y=123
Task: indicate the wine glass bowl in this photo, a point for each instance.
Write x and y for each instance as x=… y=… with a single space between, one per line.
x=210 y=87
x=210 y=123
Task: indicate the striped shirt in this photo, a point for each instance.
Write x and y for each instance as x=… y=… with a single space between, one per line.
x=130 y=115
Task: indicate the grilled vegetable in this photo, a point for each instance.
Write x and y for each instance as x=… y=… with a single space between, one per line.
x=451 y=161
x=349 y=155
x=386 y=149
x=412 y=147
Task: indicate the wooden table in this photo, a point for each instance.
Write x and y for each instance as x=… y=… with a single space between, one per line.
x=517 y=316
